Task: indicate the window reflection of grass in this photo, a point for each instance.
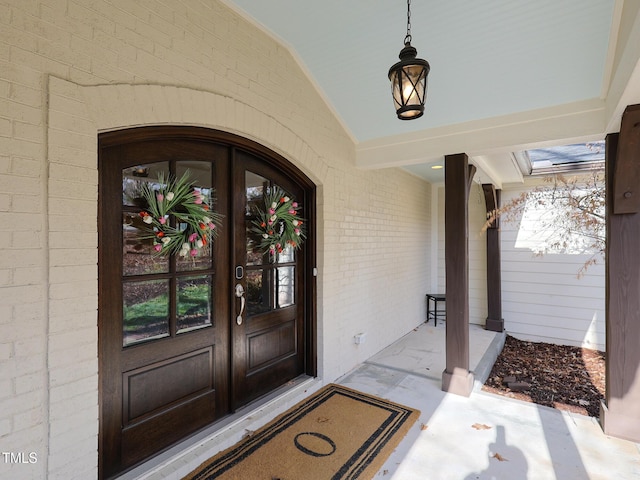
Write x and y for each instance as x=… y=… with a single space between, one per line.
x=193 y=299
x=152 y=316
x=151 y=312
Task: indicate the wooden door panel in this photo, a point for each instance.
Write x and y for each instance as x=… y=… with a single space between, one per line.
x=149 y=353
x=267 y=346
x=159 y=386
x=261 y=381
x=162 y=402
x=141 y=440
x=274 y=317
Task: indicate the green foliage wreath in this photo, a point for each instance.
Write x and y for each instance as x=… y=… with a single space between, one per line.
x=179 y=216
x=277 y=224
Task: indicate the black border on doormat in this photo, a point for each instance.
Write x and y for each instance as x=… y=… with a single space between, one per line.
x=351 y=469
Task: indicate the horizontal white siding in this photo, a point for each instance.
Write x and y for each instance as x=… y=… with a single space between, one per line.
x=542 y=297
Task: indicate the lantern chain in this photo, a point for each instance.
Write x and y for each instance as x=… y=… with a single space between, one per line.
x=407 y=39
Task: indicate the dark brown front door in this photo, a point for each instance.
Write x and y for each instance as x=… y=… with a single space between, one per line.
x=186 y=341
x=268 y=340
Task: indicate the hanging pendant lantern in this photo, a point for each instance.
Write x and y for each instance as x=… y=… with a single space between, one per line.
x=409 y=79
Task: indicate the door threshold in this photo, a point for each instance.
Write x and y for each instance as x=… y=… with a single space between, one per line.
x=184 y=457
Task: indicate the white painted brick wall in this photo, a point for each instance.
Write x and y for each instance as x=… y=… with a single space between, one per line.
x=72 y=68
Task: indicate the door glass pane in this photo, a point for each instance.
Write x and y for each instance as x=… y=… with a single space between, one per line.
x=199 y=172
x=203 y=260
x=138 y=255
x=287 y=255
x=145 y=311
x=284 y=286
x=200 y=175
x=134 y=178
x=255 y=186
x=257 y=291
x=137 y=237
x=194 y=303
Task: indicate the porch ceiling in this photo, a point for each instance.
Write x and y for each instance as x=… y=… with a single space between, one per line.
x=505 y=76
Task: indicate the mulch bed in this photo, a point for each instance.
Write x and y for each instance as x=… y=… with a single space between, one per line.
x=558 y=376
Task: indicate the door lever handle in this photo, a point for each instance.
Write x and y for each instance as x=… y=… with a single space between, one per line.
x=240 y=295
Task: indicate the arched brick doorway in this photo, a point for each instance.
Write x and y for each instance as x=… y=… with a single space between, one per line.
x=173 y=357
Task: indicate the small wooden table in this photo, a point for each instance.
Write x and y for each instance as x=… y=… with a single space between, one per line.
x=435 y=313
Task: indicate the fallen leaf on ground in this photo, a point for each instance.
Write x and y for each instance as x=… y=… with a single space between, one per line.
x=499 y=457
x=248 y=434
x=424 y=427
x=481 y=426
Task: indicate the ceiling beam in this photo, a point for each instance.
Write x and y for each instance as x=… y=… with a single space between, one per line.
x=625 y=84
x=574 y=122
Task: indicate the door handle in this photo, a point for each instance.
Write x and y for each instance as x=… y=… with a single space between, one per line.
x=240 y=295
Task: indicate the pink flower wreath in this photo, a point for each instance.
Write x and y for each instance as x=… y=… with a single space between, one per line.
x=195 y=224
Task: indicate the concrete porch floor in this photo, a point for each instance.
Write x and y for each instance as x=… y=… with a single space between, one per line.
x=534 y=442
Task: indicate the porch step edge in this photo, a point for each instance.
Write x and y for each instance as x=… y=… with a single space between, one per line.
x=483 y=369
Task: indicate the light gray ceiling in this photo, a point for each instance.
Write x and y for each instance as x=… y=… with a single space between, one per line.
x=505 y=74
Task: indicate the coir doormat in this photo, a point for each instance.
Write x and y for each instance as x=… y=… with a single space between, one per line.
x=336 y=434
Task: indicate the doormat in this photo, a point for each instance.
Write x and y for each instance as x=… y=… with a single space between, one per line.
x=335 y=434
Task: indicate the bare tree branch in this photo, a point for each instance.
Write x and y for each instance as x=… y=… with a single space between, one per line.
x=571 y=214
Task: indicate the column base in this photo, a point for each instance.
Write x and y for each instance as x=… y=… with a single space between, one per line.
x=619 y=425
x=494 y=325
x=459 y=382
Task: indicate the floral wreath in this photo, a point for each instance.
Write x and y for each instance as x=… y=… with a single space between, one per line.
x=196 y=224
x=278 y=224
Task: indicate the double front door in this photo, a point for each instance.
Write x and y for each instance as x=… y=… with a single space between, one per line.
x=186 y=340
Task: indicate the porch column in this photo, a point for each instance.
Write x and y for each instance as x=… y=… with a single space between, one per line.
x=494 y=322
x=458 y=174
x=620 y=413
